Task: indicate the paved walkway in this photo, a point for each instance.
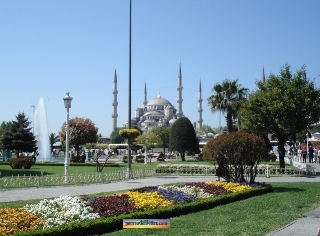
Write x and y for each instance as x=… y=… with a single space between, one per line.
x=301 y=227
x=310 y=224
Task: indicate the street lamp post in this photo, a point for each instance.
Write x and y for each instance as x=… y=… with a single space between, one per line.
x=67 y=103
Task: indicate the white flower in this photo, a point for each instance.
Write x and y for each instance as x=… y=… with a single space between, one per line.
x=62 y=210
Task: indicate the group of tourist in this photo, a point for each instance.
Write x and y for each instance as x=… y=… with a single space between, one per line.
x=302 y=152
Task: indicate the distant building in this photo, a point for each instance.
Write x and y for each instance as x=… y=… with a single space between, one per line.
x=104 y=139
x=156 y=112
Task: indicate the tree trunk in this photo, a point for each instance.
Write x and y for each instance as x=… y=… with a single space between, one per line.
x=281 y=152
x=183 y=156
x=77 y=150
x=229 y=121
x=145 y=155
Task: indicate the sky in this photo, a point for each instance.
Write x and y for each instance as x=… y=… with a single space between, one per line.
x=48 y=48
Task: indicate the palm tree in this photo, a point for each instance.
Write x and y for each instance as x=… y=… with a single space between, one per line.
x=227 y=98
x=53 y=138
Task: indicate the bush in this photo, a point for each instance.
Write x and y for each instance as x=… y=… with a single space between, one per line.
x=183 y=137
x=21 y=162
x=237 y=154
x=270 y=157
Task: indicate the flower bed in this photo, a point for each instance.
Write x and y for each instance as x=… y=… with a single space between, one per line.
x=18 y=220
x=147 y=201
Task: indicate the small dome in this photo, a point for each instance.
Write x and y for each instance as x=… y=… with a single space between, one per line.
x=172 y=121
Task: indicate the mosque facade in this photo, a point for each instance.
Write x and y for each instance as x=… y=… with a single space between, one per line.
x=155 y=112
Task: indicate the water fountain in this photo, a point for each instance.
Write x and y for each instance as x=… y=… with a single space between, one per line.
x=41 y=131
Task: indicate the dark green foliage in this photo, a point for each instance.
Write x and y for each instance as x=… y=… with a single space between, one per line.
x=283 y=105
x=164 y=134
x=5 y=126
x=21 y=162
x=19 y=136
x=189 y=153
x=183 y=137
x=53 y=138
x=115 y=137
x=237 y=154
x=227 y=98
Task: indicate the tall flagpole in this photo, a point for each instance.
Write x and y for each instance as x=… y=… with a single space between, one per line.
x=129 y=170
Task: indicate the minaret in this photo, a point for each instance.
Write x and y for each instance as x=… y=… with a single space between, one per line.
x=263 y=77
x=200 y=106
x=115 y=102
x=179 y=89
x=145 y=95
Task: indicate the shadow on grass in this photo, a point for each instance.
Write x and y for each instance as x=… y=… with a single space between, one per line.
x=286 y=189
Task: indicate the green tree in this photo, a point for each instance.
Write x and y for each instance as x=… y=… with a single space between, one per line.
x=209 y=129
x=115 y=137
x=283 y=105
x=148 y=140
x=164 y=135
x=5 y=126
x=53 y=138
x=19 y=136
x=183 y=137
x=227 y=98
x=81 y=131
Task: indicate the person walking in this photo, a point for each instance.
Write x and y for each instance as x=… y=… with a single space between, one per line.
x=299 y=154
x=310 y=154
x=304 y=155
x=315 y=154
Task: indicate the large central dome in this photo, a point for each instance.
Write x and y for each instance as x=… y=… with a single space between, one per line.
x=159 y=101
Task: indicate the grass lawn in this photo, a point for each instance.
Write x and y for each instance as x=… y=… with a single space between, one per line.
x=254 y=216
x=36 y=169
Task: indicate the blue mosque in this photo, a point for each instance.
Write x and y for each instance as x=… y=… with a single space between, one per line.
x=155 y=112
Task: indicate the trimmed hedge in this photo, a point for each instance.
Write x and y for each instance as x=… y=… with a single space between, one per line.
x=21 y=162
x=106 y=225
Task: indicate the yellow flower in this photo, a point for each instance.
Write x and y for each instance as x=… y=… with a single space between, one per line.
x=126 y=133
x=144 y=201
x=233 y=187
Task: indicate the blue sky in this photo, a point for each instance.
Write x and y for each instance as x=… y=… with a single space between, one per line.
x=50 y=47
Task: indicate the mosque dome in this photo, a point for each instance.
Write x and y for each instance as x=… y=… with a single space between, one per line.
x=159 y=101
